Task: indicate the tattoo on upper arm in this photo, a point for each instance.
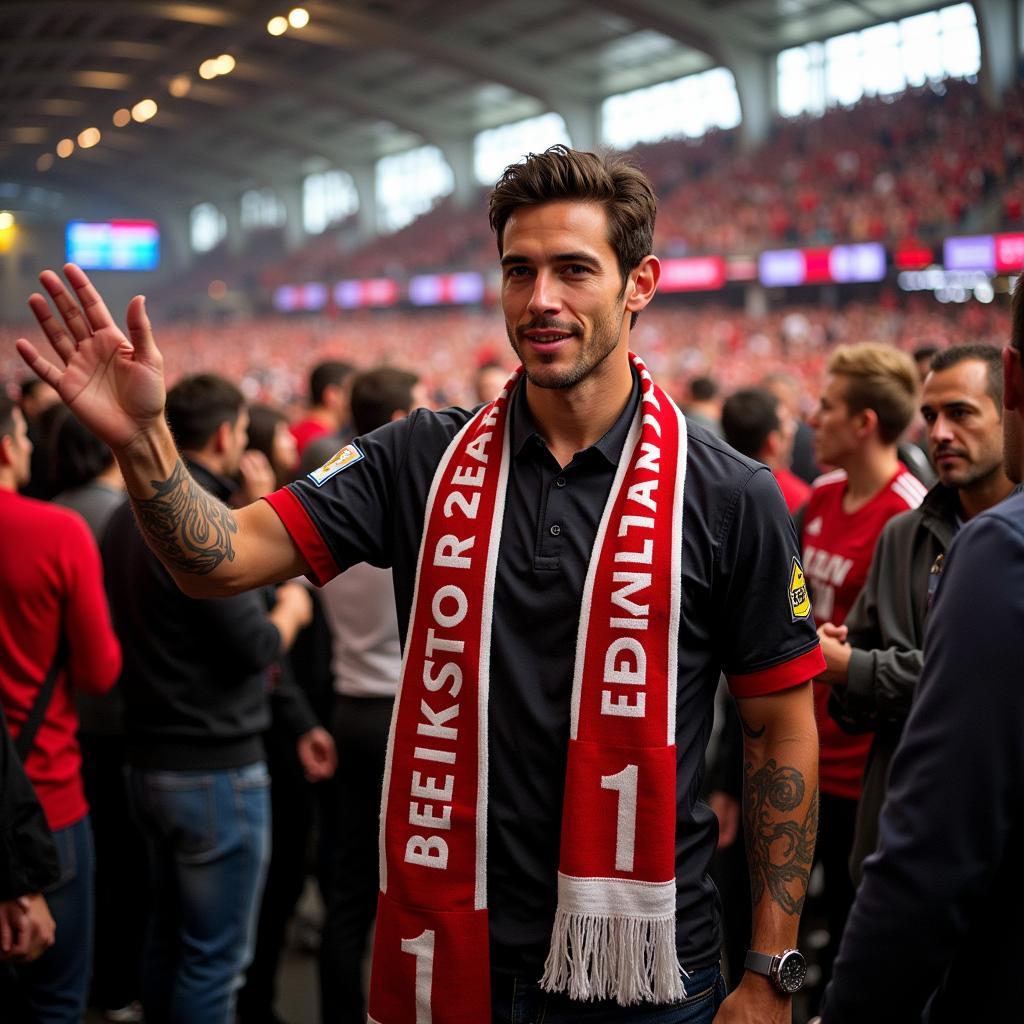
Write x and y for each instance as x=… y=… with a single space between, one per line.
x=748 y=730
x=187 y=527
x=780 y=846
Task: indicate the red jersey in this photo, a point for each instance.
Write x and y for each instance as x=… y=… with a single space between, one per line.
x=51 y=578
x=837 y=549
x=794 y=490
x=307 y=430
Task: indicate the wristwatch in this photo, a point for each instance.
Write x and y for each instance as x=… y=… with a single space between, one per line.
x=787 y=969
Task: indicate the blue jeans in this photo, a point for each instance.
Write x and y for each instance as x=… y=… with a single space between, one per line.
x=517 y=1002
x=208 y=838
x=53 y=989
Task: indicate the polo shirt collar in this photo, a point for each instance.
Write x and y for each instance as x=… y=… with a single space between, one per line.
x=524 y=429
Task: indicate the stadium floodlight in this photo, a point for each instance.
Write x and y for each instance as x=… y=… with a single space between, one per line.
x=179 y=86
x=277 y=26
x=224 y=64
x=208 y=69
x=88 y=138
x=45 y=162
x=65 y=148
x=122 y=117
x=298 y=17
x=6 y=220
x=144 y=110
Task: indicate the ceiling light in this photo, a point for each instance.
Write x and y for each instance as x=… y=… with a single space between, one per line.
x=122 y=117
x=179 y=86
x=298 y=17
x=65 y=148
x=6 y=220
x=277 y=26
x=144 y=110
x=45 y=162
x=208 y=69
x=88 y=138
x=224 y=64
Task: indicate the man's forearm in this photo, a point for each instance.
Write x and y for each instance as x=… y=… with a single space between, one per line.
x=780 y=807
x=189 y=530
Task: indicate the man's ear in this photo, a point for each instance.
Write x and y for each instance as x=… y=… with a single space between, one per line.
x=222 y=438
x=1013 y=379
x=865 y=422
x=642 y=284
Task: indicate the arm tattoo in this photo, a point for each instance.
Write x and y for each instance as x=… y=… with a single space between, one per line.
x=187 y=528
x=748 y=729
x=780 y=847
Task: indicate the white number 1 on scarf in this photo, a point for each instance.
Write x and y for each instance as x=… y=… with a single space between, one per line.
x=624 y=783
x=422 y=947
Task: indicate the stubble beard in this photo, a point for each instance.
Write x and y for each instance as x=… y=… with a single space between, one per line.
x=542 y=371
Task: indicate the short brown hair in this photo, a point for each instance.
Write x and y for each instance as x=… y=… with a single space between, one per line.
x=378 y=394
x=881 y=378
x=560 y=173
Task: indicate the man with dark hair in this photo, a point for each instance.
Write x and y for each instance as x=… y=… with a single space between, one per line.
x=196 y=681
x=55 y=638
x=574 y=567
x=704 y=405
x=328 y=400
x=757 y=425
x=366 y=663
x=934 y=934
x=873 y=673
x=37 y=402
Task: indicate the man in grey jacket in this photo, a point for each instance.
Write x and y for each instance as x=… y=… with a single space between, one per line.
x=874 y=659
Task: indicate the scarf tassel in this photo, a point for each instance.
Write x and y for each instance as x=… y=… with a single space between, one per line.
x=628 y=959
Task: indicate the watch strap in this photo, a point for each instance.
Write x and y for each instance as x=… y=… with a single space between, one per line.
x=760 y=963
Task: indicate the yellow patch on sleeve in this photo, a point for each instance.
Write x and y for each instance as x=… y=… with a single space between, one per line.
x=799 y=598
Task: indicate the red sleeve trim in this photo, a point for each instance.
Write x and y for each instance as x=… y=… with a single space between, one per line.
x=302 y=530
x=779 y=677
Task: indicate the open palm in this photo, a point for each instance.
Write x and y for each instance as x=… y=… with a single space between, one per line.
x=112 y=383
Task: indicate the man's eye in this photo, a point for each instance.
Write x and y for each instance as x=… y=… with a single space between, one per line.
x=577 y=268
x=515 y=271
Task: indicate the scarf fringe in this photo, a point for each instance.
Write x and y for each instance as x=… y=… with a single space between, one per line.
x=628 y=959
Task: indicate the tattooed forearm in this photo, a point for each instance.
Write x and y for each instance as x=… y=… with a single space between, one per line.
x=187 y=528
x=780 y=834
x=748 y=730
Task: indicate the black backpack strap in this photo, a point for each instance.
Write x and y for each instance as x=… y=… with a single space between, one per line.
x=27 y=736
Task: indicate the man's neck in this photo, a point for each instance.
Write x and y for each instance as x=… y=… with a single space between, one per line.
x=7 y=482
x=210 y=462
x=572 y=419
x=111 y=477
x=983 y=494
x=323 y=416
x=867 y=473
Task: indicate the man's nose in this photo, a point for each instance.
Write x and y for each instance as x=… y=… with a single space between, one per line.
x=544 y=298
x=941 y=430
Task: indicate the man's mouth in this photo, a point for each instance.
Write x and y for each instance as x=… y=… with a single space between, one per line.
x=545 y=339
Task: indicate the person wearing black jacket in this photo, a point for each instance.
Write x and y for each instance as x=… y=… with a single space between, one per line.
x=875 y=672
x=934 y=934
x=28 y=861
x=197 y=674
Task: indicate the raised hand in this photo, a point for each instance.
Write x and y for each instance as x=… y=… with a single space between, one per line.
x=114 y=384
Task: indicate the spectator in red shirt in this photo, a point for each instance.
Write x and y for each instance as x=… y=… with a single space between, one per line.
x=328 y=396
x=869 y=399
x=756 y=425
x=52 y=607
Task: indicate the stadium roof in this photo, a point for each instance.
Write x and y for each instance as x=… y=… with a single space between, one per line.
x=361 y=80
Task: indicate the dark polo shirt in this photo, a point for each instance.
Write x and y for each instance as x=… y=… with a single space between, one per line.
x=738 y=550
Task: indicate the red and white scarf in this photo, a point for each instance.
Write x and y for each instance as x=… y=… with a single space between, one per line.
x=614 y=932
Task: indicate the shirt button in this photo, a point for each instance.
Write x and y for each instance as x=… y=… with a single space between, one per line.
x=555 y=529
x=560 y=481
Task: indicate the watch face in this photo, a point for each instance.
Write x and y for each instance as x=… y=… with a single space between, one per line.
x=792 y=971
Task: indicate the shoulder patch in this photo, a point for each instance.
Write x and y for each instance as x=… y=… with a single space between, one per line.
x=342 y=459
x=799 y=599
